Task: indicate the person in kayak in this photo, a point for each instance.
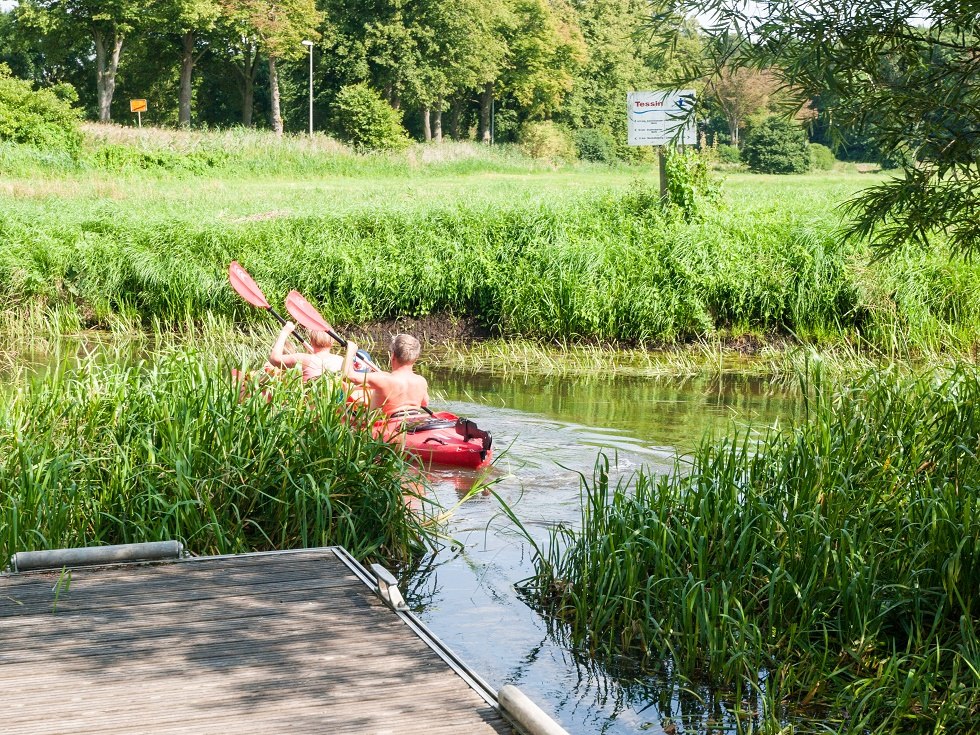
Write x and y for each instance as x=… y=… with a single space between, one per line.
x=314 y=364
x=399 y=393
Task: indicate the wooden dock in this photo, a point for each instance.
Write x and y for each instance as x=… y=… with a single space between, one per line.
x=282 y=642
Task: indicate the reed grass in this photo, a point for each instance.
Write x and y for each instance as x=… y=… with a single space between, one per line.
x=832 y=570
x=565 y=256
x=520 y=358
x=112 y=450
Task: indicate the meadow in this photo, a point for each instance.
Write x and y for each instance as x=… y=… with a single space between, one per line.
x=139 y=229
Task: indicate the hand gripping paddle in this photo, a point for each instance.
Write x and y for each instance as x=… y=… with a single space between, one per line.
x=306 y=314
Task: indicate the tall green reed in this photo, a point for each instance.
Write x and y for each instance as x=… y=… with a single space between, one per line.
x=576 y=255
x=833 y=568
x=104 y=453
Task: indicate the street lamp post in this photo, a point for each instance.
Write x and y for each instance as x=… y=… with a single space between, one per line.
x=309 y=44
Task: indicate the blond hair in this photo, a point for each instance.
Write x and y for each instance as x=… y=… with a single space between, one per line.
x=320 y=339
x=405 y=348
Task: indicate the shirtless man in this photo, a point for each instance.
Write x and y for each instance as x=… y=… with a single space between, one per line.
x=314 y=364
x=398 y=393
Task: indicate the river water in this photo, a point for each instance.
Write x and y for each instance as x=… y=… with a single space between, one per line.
x=548 y=433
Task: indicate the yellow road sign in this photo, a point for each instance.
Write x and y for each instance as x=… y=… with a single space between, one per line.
x=137 y=105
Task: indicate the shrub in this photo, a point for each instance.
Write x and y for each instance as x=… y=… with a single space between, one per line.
x=689 y=183
x=42 y=118
x=729 y=153
x=546 y=140
x=777 y=146
x=366 y=121
x=821 y=157
x=505 y=126
x=593 y=144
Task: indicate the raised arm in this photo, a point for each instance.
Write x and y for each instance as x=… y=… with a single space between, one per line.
x=370 y=379
x=278 y=357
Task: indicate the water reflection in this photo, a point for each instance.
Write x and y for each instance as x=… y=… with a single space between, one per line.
x=547 y=435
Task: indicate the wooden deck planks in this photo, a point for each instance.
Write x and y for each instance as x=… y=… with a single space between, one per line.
x=290 y=642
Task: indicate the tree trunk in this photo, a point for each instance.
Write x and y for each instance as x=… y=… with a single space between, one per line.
x=486 y=99
x=437 y=123
x=426 y=125
x=274 y=89
x=248 y=101
x=455 y=112
x=733 y=129
x=106 y=64
x=186 y=72
x=247 y=69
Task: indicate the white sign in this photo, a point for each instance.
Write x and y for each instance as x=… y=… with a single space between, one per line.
x=654 y=118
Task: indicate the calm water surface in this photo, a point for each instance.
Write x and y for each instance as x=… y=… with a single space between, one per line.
x=547 y=431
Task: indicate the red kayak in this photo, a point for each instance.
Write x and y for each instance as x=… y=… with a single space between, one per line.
x=440 y=438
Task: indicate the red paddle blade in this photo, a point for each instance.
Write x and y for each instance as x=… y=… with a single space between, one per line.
x=245 y=286
x=304 y=313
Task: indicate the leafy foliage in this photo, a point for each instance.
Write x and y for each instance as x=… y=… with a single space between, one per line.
x=43 y=118
x=546 y=140
x=777 y=146
x=690 y=185
x=821 y=157
x=595 y=144
x=729 y=153
x=366 y=121
x=903 y=73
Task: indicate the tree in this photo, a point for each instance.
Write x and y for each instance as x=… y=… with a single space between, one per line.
x=619 y=61
x=546 y=48
x=187 y=19
x=905 y=73
x=108 y=22
x=279 y=28
x=241 y=43
x=741 y=93
x=777 y=146
x=457 y=53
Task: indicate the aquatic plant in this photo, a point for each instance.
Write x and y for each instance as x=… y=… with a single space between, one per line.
x=116 y=451
x=833 y=568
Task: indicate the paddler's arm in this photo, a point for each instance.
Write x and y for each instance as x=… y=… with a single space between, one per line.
x=278 y=357
x=356 y=377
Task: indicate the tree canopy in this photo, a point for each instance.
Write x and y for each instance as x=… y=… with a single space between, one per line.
x=904 y=74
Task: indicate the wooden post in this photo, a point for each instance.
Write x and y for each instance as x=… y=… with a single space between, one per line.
x=663 y=171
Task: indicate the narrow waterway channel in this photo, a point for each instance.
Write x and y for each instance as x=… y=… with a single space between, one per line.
x=548 y=433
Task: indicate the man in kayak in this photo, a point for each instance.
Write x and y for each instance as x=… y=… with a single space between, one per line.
x=399 y=393
x=313 y=364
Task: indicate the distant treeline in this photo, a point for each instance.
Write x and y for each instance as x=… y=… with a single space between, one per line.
x=466 y=69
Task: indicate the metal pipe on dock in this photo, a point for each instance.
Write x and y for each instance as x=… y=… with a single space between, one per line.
x=29 y=561
x=531 y=718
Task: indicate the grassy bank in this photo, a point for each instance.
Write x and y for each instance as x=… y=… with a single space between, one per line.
x=833 y=568
x=111 y=451
x=570 y=254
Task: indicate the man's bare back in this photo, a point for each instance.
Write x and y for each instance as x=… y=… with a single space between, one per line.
x=400 y=390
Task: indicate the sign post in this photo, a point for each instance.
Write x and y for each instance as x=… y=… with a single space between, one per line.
x=139 y=107
x=655 y=118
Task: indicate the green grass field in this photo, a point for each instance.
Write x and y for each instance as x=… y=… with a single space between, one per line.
x=143 y=228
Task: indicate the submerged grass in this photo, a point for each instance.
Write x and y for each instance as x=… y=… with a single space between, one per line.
x=121 y=451
x=833 y=569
